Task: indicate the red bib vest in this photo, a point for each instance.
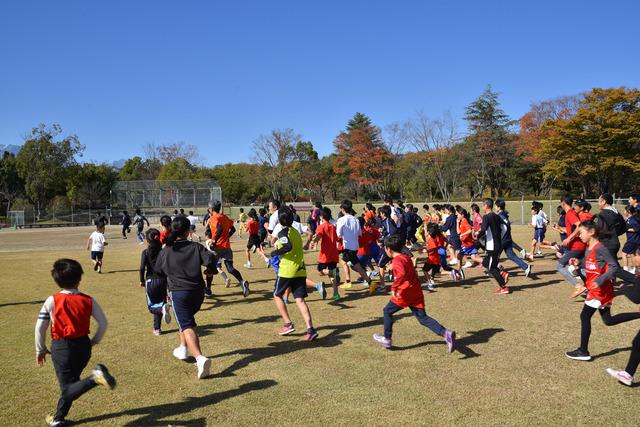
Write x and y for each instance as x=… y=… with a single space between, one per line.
x=71 y=315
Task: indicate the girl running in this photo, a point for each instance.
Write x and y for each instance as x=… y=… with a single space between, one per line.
x=600 y=268
x=436 y=256
x=468 y=246
x=253 y=243
x=155 y=284
x=180 y=261
x=632 y=218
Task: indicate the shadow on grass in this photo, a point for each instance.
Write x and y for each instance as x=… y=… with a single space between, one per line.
x=120 y=271
x=517 y=288
x=158 y=414
x=611 y=352
x=9 y=304
x=204 y=330
x=462 y=344
x=286 y=346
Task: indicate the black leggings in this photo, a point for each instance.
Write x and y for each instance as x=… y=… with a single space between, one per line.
x=490 y=262
x=634 y=357
x=607 y=319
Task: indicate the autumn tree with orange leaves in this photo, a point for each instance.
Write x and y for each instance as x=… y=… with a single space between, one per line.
x=362 y=157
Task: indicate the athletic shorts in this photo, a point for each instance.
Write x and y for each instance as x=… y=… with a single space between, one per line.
x=364 y=260
x=224 y=255
x=431 y=268
x=298 y=286
x=262 y=236
x=327 y=266
x=469 y=250
x=350 y=257
x=96 y=255
x=538 y=235
x=254 y=240
x=185 y=304
x=630 y=247
x=374 y=251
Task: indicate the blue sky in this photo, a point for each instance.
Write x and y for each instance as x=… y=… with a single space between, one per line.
x=120 y=74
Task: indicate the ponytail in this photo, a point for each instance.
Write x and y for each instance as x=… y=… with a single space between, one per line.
x=179 y=228
x=154 y=246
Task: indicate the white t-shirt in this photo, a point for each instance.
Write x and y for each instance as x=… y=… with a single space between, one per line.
x=302 y=229
x=192 y=219
x=273 y=221
x=348 y=228
x=537 y=220
x=97 y=241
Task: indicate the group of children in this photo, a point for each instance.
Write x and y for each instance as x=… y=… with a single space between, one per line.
x=171 y=272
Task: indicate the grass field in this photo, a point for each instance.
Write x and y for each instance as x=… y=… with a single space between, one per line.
x=510 y=368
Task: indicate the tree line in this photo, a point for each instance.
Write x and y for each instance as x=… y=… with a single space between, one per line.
x=583 y=144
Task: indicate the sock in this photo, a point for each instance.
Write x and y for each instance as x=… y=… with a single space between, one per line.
x=200 y=358
x=223 y=275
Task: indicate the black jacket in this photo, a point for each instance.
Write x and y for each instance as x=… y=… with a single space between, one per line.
x=182 y=263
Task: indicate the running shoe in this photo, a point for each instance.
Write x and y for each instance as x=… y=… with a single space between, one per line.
x=621 y=376
x=453 y=275
x=166 y=313
x=248 y=265
x=208 y=293
x=245 y=288
x=204 y=367
x=578 y=354
x=101 y=376
x=453 y=261
x=523 y=253
x=468 y=264
x=505 y=277
x=372 y=288
x=450 y=338
x=384 y=342
x=321 y=290
x=287 y=329
x=527 y=272
x=346 y=285
x=431 y=286
x=312 y=334
x=180 y=353
x=461 y=274
x=157 y=332
x=53 y=422
x=336 y=297
x=502 y=291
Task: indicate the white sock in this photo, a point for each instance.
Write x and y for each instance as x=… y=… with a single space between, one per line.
x=200 y=358
x=223 y=275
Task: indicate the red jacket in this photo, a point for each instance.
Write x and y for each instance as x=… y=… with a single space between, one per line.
x=406 y=286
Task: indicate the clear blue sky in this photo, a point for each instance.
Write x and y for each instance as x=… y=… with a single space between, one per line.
x=120 y=74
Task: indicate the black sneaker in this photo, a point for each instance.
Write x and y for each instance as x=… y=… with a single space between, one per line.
x=578 y=354
x=102 y=376
x=208 y=293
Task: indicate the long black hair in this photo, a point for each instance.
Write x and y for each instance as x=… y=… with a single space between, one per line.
x=153 y=243
x=179 y=227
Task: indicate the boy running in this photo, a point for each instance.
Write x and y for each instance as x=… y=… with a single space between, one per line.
x=139 y=220
x=69 y=313
x=96 y=242
x=406 y=292
x=328 y=257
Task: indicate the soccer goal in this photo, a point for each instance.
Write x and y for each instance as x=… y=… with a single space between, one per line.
x=163 y=195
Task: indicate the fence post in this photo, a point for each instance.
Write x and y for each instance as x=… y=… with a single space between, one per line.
x=522 y=211
x=72 y=213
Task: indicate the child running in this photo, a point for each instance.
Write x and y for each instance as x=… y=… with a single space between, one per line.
x=138 y=221
x=193 y=220
x=467 y=244
x=165 y=227
x=126 y=224
x=253 y=242
x=96 y=242
x=600 y=269
x=406 y=292
x=180 y=261
x=155 y=284
x=292 y=274
x=242 y=220
x=69 y=313
x=328 y=256
x=632 y=219
x=436 y=256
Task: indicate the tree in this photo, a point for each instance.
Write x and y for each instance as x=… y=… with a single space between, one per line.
x=599 y=146
x=362 y=156
x=166 y=153
x=89 y=185
x=177 y=169
x=136 y=169
x=435 y=139
x=276 y=151
x=42 y=163
x=11 y=185
x=532 y=131
x=491 y=138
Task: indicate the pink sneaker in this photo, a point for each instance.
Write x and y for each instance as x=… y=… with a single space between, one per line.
x=287 y=329
x=157 y=332
x=450 y=338
x=621 y=376
x=380 y=339
x=503 y=291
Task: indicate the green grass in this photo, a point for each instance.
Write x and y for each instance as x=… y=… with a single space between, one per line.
x=510 y=370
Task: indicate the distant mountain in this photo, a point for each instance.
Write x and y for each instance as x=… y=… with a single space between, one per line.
x=118 y=164
x=13 y=149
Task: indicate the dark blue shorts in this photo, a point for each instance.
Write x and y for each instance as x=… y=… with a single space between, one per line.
x=538 y=235
x=630 y=247
x=298 y=286
x=185 y=304
x=97 y=256
x=364 y=260
x=469 y=250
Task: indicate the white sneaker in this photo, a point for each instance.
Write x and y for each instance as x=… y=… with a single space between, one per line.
x=248 y=265
x=180 y=353
x=621 y=376
x=468 y=264
x=453 y=261
x=166 y=313
x=523 y=253
x=204 y=366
